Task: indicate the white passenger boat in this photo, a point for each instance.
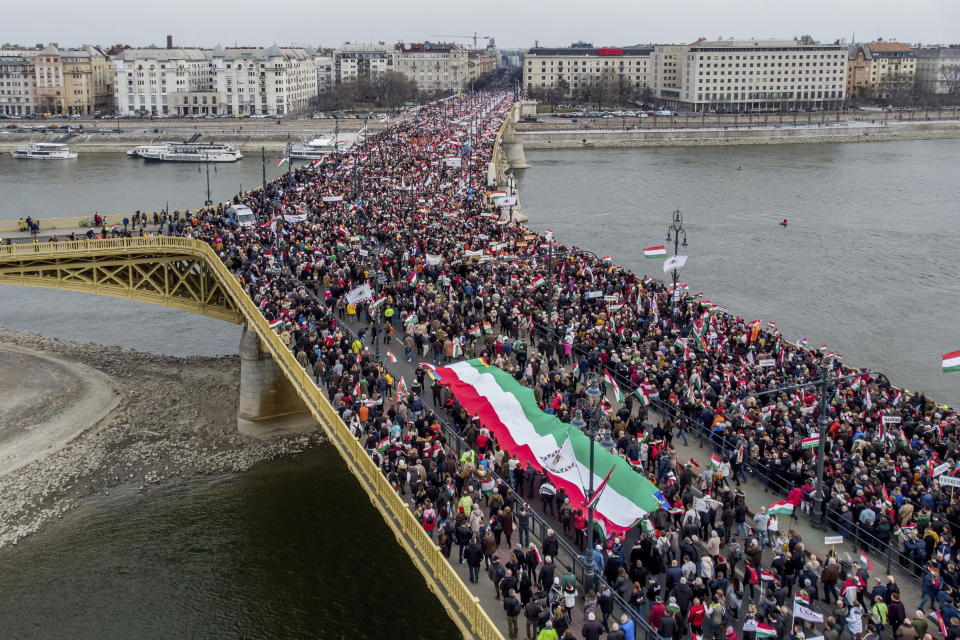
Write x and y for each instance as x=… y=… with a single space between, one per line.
x=138 y=152
x=191 y=152
x=313 y=149
x=45 y=151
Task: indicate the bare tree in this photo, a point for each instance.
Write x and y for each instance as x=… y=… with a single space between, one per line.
x=950 y=76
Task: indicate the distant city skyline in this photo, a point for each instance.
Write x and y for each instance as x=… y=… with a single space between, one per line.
x=512 y=24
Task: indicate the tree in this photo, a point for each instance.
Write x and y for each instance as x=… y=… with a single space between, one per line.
x=950 y=77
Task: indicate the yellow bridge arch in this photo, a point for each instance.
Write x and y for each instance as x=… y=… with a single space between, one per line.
x=187 y=274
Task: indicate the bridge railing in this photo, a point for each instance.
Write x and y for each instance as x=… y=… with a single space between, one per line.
x=462 y=606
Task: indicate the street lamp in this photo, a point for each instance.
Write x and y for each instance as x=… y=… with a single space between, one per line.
x=676 y=230
x=825 y=383
x=589 y=427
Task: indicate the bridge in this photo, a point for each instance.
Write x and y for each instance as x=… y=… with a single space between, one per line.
x=276 y=393
x=186 y=274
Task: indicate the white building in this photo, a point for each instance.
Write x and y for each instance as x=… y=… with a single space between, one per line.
x=16 y=84
x=222 y=81
x=582 y=68
x=146 y=80
x=254 y=80
x=740 y=75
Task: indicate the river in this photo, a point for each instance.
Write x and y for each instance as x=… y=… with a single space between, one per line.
x=867 y=264
x=864 y=266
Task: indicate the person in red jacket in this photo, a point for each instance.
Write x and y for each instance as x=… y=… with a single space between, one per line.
x=795 y=497
x=697 y=613
x=580 y=528
x=657 y=611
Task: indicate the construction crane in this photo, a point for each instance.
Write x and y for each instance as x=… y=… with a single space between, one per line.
x=474 y=37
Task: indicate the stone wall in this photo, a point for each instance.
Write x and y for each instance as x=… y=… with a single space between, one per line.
x=718 y=136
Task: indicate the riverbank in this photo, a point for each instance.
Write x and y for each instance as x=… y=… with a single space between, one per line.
x=80 y=420
x=713 y=136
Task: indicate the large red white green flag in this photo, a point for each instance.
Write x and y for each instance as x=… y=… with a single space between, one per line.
x=510 y=411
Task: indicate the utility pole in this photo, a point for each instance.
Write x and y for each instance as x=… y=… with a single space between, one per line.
x=263 y=165
x=676 y=229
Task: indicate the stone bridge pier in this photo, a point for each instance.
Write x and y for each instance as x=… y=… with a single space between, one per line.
x=269 y=405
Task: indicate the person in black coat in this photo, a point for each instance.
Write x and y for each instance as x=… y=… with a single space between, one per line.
x=513 y=608
x=474 y=557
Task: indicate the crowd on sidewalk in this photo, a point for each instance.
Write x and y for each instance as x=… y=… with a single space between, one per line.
x=407 y=211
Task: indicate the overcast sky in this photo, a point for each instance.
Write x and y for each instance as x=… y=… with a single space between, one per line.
x=514 y=23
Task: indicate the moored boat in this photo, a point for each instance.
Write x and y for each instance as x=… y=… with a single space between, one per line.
x=190 y=152
x=45 y=151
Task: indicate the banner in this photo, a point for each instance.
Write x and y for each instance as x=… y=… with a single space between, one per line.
x=361 y=293
x=300 y=217
x=802 y=612
x=434 y=260
x=506 y=201
x=333 y=198
x=453 y=162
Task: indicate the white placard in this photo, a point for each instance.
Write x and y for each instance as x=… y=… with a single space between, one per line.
x=589 y=295
x=833 y=540
x=363 y=252
x=891 y=419
x=333 y=198
x=767 y=362
x=452 y=162
x=937 y=470
x=949 y=481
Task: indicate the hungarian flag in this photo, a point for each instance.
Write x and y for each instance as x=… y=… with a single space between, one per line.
x=487 y=327
x=951 y=361
x=401 y=387
x=319 y=161
x=282 y=160
x=802 y=599
x=607 y=260
x=766 y=575
x=539 y=281
x=510 y=411
x=391 y=357
x=938 y=617
x=694 y=463
x=384 y=445
x=765 y=631
x=356 y=389
x=617 y=394
x=865 y=561
x=715 y=461
x=276 y=323
x=781 y=507
x=412 y=279
x=802 y=342
x=474 y=331
x=613 y=308
x=376 y=304
x=810 y=443
x=643 y=392
x=655 y=252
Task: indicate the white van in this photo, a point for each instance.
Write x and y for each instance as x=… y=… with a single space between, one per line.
x=241 y=215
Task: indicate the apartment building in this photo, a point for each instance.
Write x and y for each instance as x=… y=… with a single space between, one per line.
x=881 y=70
x=352 y=61
x=582 y=68
x=740 y=75
x=155 y=81
x=16 y=84
x=435 y=67
x=938 y=70
x=257 y=81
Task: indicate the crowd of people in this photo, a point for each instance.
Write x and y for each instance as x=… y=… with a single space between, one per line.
x=407 y=211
